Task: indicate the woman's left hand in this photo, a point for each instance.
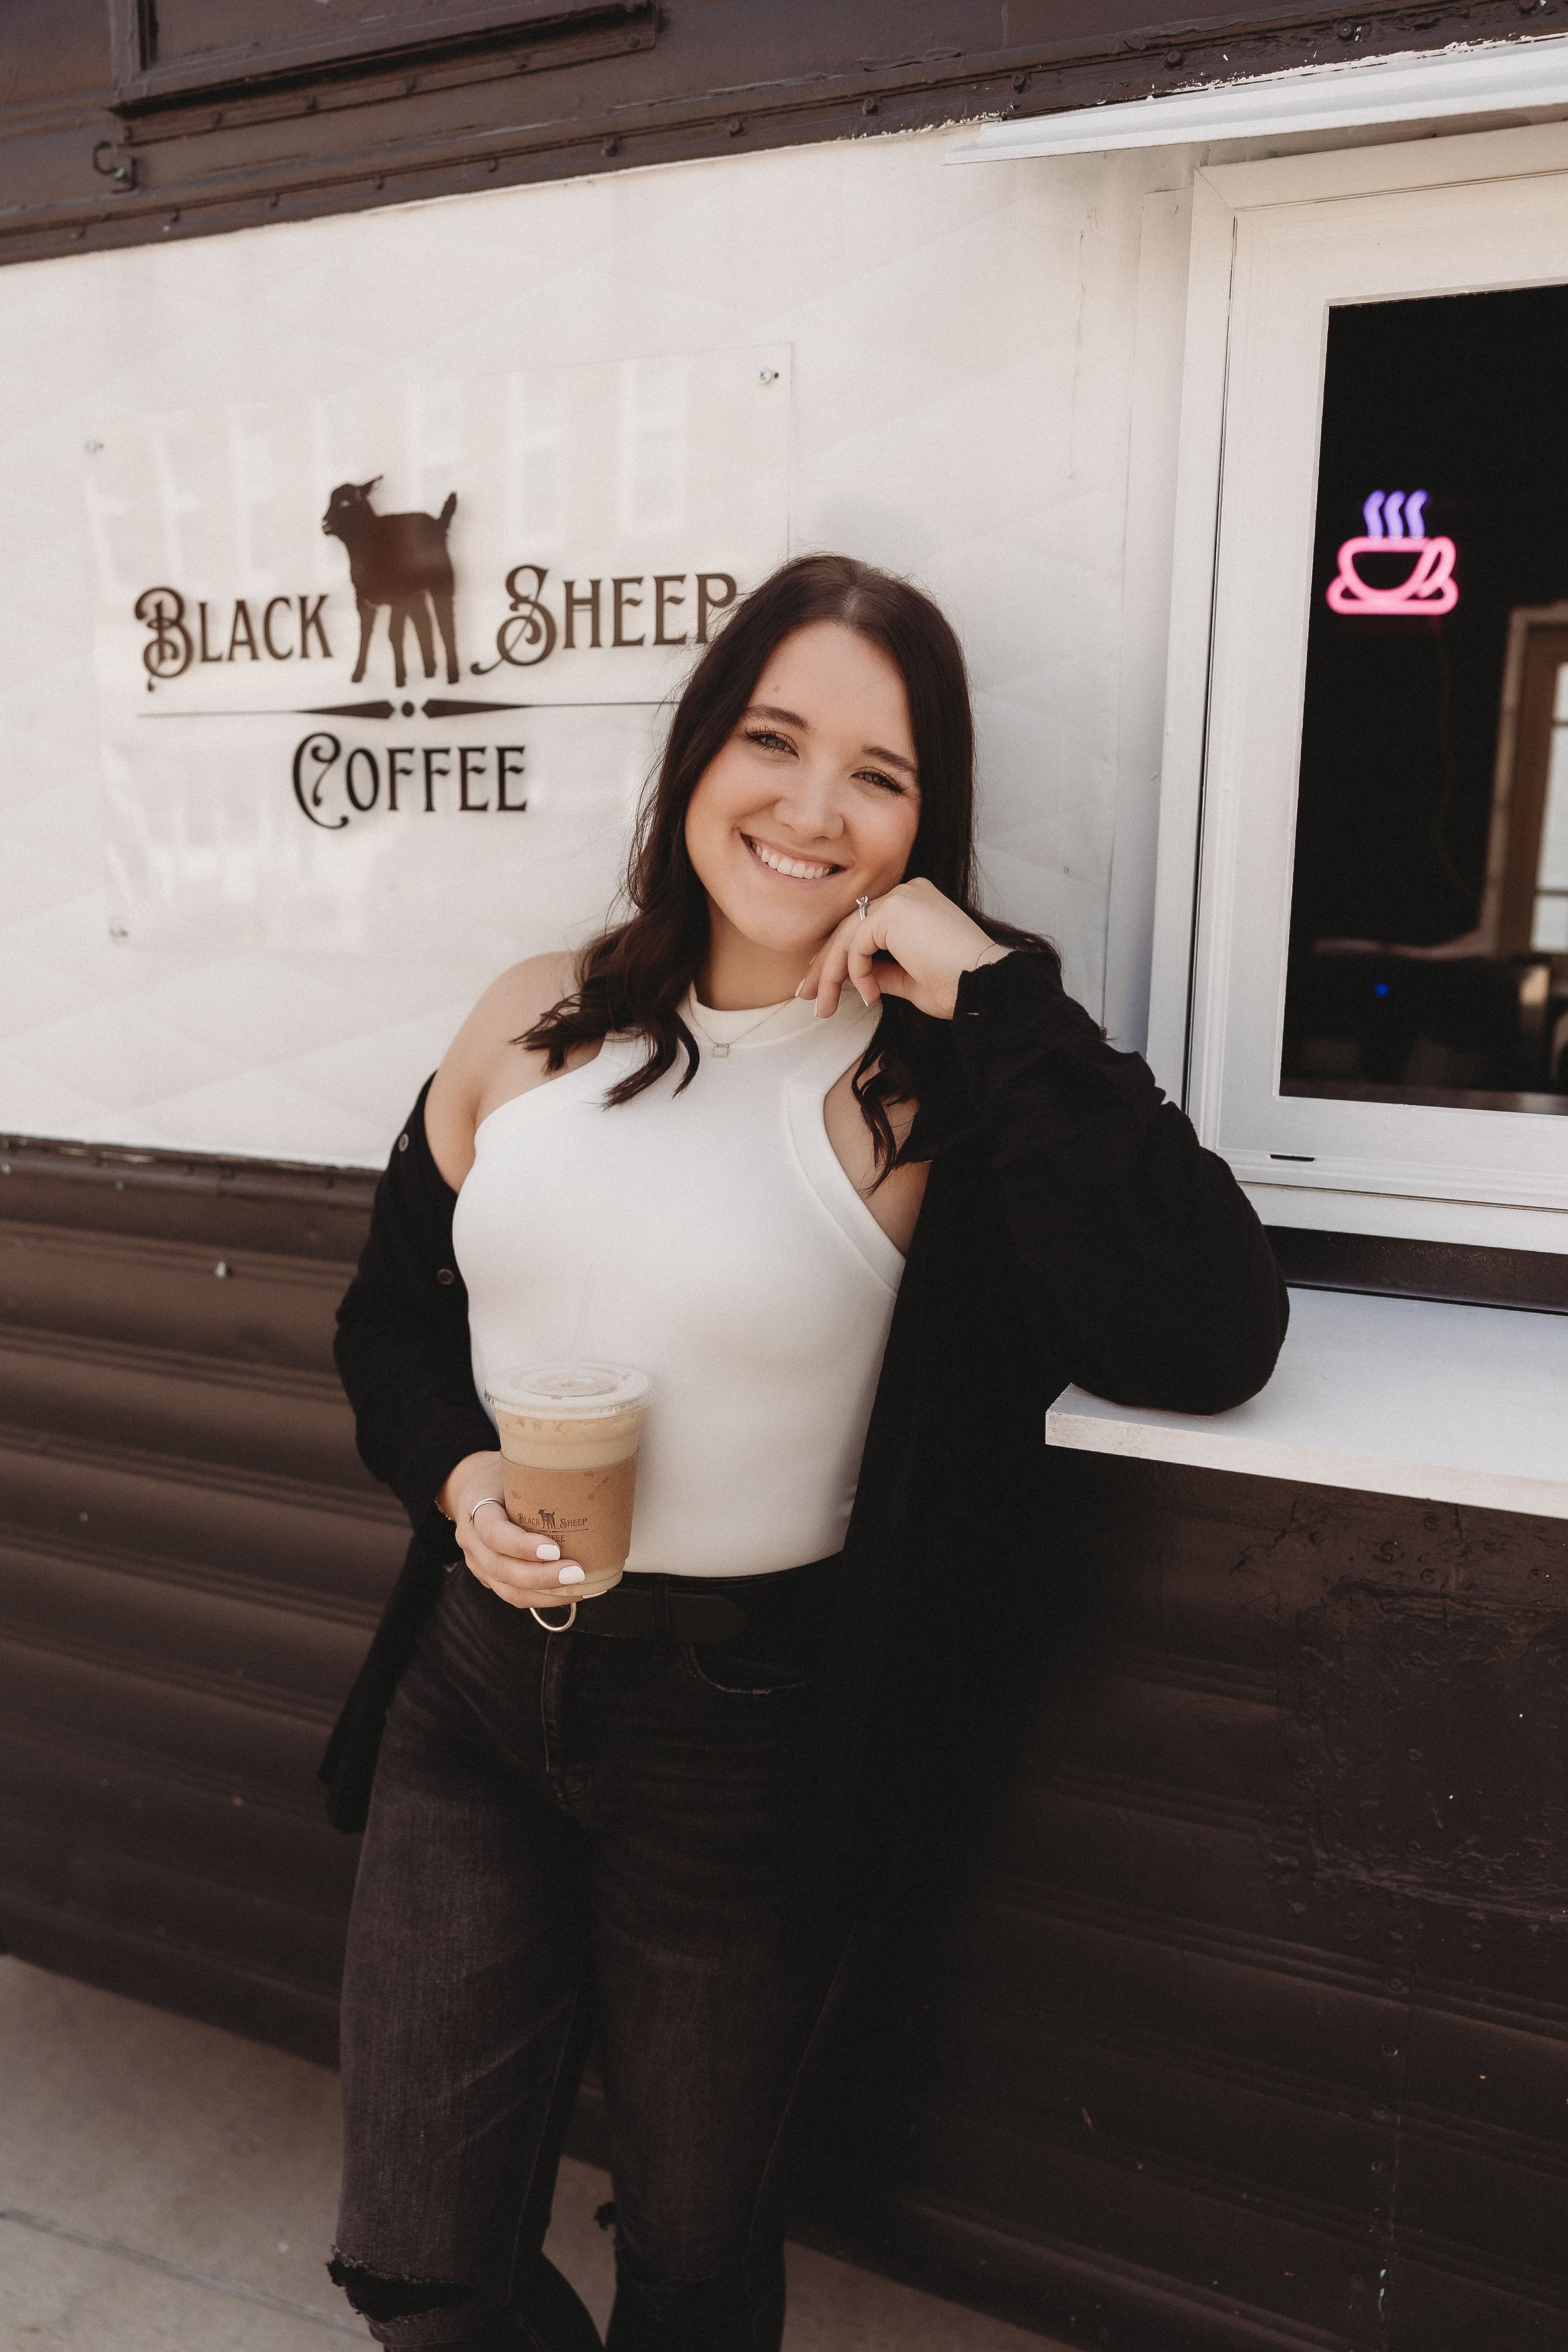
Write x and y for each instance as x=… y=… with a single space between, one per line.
x=927 y=945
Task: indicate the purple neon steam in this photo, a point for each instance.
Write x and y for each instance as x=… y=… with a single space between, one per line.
x=1396 y=519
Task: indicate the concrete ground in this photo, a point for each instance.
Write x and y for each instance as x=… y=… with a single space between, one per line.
x=165 y=2187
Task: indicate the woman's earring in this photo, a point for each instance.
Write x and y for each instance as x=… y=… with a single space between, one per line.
x=863 y=907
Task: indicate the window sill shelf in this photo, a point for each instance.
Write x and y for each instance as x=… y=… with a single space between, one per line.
x=1393 y=1396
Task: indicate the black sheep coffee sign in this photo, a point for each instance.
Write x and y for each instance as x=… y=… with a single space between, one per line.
x=404 y=655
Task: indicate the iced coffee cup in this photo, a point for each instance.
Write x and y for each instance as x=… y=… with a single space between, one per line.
x=569 y=1438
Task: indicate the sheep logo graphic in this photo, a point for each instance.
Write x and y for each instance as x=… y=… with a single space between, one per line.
x=399 y=560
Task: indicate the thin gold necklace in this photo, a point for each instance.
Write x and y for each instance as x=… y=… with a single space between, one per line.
x=719 y=1047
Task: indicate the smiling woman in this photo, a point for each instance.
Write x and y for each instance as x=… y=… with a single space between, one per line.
x=828 y=1162
x=830 y=717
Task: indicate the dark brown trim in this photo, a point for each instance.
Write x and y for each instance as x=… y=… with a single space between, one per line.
x=1312 y=1260
x=379 y=141
x=282 y=80
x=50 y=1181
x=312 y=1212
x=402 y=41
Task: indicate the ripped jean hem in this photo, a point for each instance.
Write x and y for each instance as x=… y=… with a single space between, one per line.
x=410 y=2314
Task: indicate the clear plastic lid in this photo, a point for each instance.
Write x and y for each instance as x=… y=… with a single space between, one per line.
x=570 y=1392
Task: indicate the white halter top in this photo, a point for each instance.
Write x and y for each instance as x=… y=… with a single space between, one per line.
x=711 y=1240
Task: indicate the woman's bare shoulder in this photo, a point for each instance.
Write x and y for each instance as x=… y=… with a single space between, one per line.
x=517 y=999
x=485 y=1065
x=895 y=1200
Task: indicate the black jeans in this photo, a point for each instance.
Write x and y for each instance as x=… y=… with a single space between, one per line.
x=575 y=1838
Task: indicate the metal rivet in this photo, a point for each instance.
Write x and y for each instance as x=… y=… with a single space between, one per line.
x=444 y=1273
x=611 y=147
x=1175 y=56
x=403 y=1143
x=767 y=375
x=870 y=106
x=735 y=126
x=221 y=1269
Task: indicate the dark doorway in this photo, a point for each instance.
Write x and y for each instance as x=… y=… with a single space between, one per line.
x=1429 y=925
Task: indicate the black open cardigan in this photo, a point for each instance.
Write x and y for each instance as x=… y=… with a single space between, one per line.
x=1073 y=1230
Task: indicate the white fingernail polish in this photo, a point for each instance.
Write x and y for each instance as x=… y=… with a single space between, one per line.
x=572 y=1576
x=549 y=1552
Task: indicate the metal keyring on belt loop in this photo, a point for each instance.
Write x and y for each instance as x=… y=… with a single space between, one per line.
x=571 y=1609
x=863 y=907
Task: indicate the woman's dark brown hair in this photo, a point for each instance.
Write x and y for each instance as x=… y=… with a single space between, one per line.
x=634 y=976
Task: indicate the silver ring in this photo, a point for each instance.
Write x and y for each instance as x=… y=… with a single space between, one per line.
x=863 y=907
x=480 y=1504
x=571 y=1609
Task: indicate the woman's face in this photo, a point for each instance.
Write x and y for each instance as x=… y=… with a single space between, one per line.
x=814 y=800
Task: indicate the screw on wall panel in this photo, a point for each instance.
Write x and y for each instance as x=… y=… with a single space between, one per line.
x=492 y=165
x=1344 y=32
x=767 y=375
x=92 y=449
x=870 y=106
x=221 y=1270
x=735 y=126
x=611 y=147
x=1175 y=56
x=1020 y=81
x=121 y=169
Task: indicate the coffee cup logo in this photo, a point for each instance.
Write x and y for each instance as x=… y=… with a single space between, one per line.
x=1396 y=524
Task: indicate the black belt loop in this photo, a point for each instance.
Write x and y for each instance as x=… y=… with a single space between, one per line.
x=664 y=1638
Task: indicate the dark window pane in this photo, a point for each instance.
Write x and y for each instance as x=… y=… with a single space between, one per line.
x=1429 y=911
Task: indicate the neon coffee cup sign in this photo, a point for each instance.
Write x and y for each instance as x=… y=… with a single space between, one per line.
x=1396 y=524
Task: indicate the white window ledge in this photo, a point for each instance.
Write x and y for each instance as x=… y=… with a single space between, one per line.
x=1489 y=78
x=1396 y=1396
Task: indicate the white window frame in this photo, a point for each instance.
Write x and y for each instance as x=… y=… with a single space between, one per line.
x=1274 y=244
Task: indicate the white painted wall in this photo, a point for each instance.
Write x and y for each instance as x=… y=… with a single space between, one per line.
x=983 y=361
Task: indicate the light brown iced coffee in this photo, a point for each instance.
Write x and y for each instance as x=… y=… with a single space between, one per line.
x=569 y=1438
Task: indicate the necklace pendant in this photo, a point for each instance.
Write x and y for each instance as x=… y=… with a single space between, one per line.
x=721 y=1053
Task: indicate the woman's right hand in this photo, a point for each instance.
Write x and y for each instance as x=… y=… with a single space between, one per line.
x=525 y=1570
